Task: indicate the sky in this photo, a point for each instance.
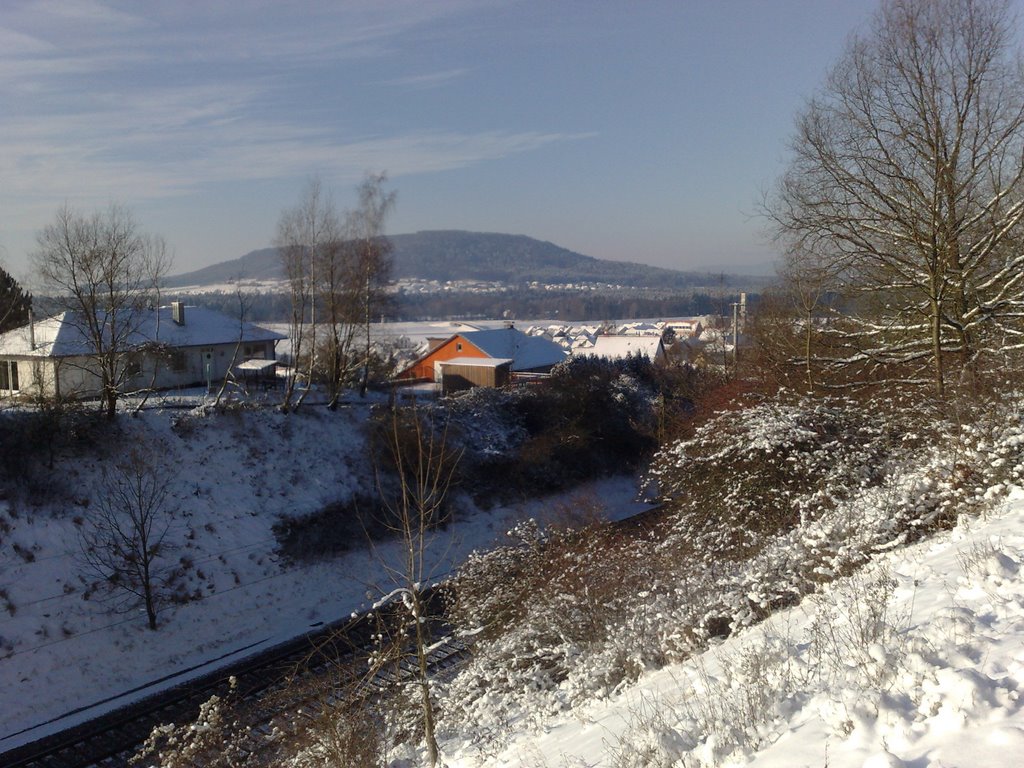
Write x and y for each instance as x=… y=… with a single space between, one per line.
x=635 y=131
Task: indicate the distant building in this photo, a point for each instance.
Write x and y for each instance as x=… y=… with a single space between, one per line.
x=618 y=347
x=484 y=358
x=687 y=327
x=170 y=347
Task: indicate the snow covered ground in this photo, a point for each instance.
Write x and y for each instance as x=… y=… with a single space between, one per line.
x=917 y=661
x=64 y=658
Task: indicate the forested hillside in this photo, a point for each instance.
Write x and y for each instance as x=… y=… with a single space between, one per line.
x=457 y=255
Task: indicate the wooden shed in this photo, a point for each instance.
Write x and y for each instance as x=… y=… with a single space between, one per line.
x=461 y=373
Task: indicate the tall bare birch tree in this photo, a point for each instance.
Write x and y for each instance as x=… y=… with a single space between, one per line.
x=906 y=180
x=104 y=272
x=303 y=232
x=372 y=255
x=338 y=267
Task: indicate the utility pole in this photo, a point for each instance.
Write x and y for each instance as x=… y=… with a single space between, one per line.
x=735 y=334
x=739 y=313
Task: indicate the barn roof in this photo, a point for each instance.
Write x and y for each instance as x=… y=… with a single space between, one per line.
x=526 y=352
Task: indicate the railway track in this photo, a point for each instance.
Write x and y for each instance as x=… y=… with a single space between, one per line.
x=111 y=739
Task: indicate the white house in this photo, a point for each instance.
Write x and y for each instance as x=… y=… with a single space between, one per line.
x=169 y=347
x=617 y=347
x=688 y=327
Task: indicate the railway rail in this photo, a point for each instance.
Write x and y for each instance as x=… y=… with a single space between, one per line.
x=111 y=739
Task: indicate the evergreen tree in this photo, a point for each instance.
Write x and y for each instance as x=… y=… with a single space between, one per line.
x=14 y=303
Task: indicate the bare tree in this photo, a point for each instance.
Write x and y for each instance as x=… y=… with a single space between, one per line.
x=907 y=179
x=423 y=466
x=303 y=233
x=124 y=541
x=104 y=272
x=339 y=288
x=365 y=227
x=337 y=269
x=243 y=307
x=805 y=301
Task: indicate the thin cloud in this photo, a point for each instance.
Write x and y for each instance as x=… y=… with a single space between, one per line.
x=428 y=80
x=217 y=32
x=14 y=43
x=241 y=154
x=79 y=11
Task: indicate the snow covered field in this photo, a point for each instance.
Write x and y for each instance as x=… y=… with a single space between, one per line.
x=64 y=658
x=915 y=662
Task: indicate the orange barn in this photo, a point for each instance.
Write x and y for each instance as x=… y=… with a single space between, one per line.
x=528 y=354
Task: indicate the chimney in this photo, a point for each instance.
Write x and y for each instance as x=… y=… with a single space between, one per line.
x=178 y=312
x=31 y=329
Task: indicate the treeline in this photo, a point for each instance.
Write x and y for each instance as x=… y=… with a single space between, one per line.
x=564 y=305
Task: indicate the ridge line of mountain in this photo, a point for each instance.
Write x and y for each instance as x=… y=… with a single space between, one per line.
x=451 y=255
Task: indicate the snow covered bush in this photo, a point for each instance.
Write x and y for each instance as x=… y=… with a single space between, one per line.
x=331 y=730
x=552 y=622
x=213 y=739
x=730 y=704
x=764 y=505
x=969 y=461
x=487 y=420
x=592 y=417
x=33 y=438
x=329 y=531
x=747 y=475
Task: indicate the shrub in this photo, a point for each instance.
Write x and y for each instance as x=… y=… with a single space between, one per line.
x=747 y=475
x=591 y=418
x=331 y=530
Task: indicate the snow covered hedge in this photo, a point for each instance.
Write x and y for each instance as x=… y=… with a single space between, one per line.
x=767 y=504
x=591 y=418
x=754 y=472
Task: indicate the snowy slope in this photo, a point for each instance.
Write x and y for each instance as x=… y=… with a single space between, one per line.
x=916 y=661
x=234 y=474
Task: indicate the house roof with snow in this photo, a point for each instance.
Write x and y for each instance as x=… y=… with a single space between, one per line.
x=62 y=335
x=617 y=347
x=526 y=352
x=640 y=329
x=476 y=362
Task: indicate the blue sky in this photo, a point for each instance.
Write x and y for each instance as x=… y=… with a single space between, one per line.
x=639 y=131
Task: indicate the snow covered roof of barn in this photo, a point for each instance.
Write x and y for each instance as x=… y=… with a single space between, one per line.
x=62 y=336
x=526 y=352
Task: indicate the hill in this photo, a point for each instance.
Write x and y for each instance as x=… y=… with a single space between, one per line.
x=445 y=255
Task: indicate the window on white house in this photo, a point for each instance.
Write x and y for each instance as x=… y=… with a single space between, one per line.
x=9 y=375
x=178 y=360
x=133 y=367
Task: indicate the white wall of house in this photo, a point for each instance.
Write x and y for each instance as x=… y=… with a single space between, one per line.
x=26 y=376
x=197 y=365
x=76 y=376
